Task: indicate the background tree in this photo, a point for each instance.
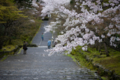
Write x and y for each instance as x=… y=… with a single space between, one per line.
x=8 y=15
x=23 y=3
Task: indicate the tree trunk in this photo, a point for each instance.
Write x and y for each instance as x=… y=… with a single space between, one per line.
x=1 y=45
x=106 y=50
x=99 y=48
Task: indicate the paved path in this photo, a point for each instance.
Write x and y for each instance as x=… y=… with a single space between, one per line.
x=37 y=65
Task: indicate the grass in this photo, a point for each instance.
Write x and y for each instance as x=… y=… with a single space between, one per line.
x=71 y=57
x=5 y=57
x=8 y=48
x=75 y=54
x=104 y=78
x=112 y=62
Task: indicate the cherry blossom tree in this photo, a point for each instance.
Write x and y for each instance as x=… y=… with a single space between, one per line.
x=84 y=23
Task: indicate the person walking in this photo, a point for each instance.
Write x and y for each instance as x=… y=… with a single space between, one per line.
x=49 y=44
x=42 y=36
x=24 y=47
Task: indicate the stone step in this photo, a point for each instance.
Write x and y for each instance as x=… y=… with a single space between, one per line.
x=31 y=77
x=42 y=46
x=50 y=74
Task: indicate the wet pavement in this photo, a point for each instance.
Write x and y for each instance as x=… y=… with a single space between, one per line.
x=37 y=65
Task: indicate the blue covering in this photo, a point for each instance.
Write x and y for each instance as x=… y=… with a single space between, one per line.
x=49 y=43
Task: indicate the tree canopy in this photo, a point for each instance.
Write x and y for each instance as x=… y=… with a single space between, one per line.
x=23 y=3
x=8 y=11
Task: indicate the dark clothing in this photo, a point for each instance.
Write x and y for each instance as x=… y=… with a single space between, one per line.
x=24 y=48
x=49 y=47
